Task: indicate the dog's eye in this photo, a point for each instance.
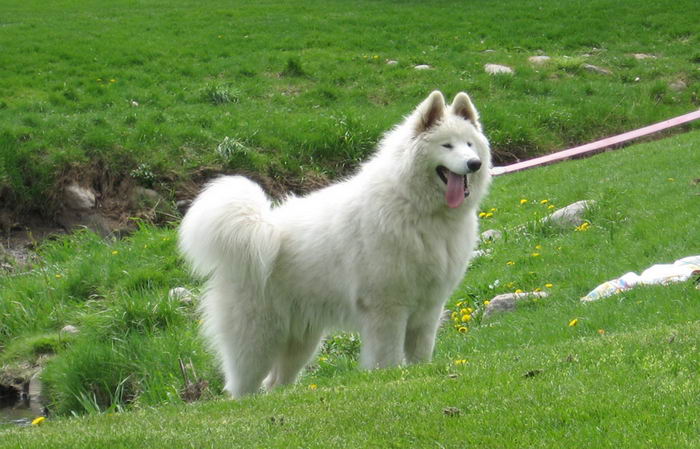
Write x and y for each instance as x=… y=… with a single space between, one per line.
x=447 y=145
x=469 y=144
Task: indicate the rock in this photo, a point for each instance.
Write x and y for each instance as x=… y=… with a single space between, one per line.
x=392 y=62
x=491 y=234
x=640 y=56
x=70 y=329
x=538 y=60
x=678 y=85
x=596 y=69
x=497 y=69
x=507 y=301
x=422 y=67
x=571 y=215
x=181 y=294
x=78 y=198
x=482 y=252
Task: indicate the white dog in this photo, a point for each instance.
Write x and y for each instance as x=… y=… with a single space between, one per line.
x=380 y=252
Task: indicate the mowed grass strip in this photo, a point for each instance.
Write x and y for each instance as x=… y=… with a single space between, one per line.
x=627 y=368
x=151 y=92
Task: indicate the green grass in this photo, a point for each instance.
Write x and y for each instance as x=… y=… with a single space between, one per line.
x=124 y=88
x=530 y=379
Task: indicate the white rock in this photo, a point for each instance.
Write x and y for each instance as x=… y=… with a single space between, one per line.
x=491 y=234
x=70 y=329
x=78 y=198
x=180 y=294
x=538 y=60
x=571 y=215
x=392 y=62
x=596 y=69
x=678 y=85
x=641 y=56
x=507 y=301
x=422 y=67
x=496 y=69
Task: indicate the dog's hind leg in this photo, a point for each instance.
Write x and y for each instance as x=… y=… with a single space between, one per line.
x=289 y=363
x=420 y=335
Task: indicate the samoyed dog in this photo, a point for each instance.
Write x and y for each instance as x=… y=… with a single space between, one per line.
x=379 y=252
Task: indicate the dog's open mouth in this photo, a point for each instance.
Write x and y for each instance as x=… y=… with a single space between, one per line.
x=457 y=186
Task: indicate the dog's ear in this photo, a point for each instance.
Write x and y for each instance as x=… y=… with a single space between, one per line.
x=462 y=106
x=429 y=112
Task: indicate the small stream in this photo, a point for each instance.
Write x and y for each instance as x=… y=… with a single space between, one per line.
x=21 y=408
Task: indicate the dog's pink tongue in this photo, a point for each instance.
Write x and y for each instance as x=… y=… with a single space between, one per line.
x=455 y=189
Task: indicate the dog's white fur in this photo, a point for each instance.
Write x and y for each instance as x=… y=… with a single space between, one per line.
x=379 y=253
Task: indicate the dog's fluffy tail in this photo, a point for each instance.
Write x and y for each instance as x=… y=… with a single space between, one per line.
x=227 y=229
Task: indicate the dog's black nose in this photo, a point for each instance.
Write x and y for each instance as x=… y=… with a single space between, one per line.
x=473 y=165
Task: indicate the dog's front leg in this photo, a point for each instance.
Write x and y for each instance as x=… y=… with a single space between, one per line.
x=421 y=330
x=383 y=333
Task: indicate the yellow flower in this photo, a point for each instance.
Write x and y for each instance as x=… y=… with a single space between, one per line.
x=313 y=387
x=463 y=329
x=538 y=246
x=487 y=302
x=548 y=285
x=583 y=226
x=38 y=421
x=538 y=289
x=454 y=315
x=460 y=362
x=510 y=262
x=535 y=254
x=551 y=206
x=322 y=359
x=466 y=318
x=482 y=214
x=573 y=322
x=488 y=215
x=544 y=201
x=523 y=201
x=459 y=304
x=518 y=290
x=59 y=276
x=671 y=179
x=115 y=252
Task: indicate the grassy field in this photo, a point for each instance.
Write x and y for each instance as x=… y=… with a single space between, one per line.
x=624 y=376
x=166 y=93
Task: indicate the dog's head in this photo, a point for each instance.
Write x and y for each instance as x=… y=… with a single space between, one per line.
x=453 y=145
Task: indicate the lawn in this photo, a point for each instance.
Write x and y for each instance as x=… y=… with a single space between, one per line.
x=618 y=373
x=163 y=94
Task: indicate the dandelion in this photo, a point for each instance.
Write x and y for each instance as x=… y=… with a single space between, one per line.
x=463 y=329
x=482 y=214
x=459 y=304
x=551 y=206
x=38 y=421
x=510 y=262
x=519 y=290
x=466 y=318
x=548 y=285
x=487 y=302
x=523 y=201
x=573 y=322
x=466 y=311
x=115 y=252
x=488 y=215
x=583 y=226
x=535 y=254
x=313 y=387
x=538 y=246
x=493 y=209
x=454 y=316
x=544 y=201
x=538 y=289
x=460 y=362
x=322 y=359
